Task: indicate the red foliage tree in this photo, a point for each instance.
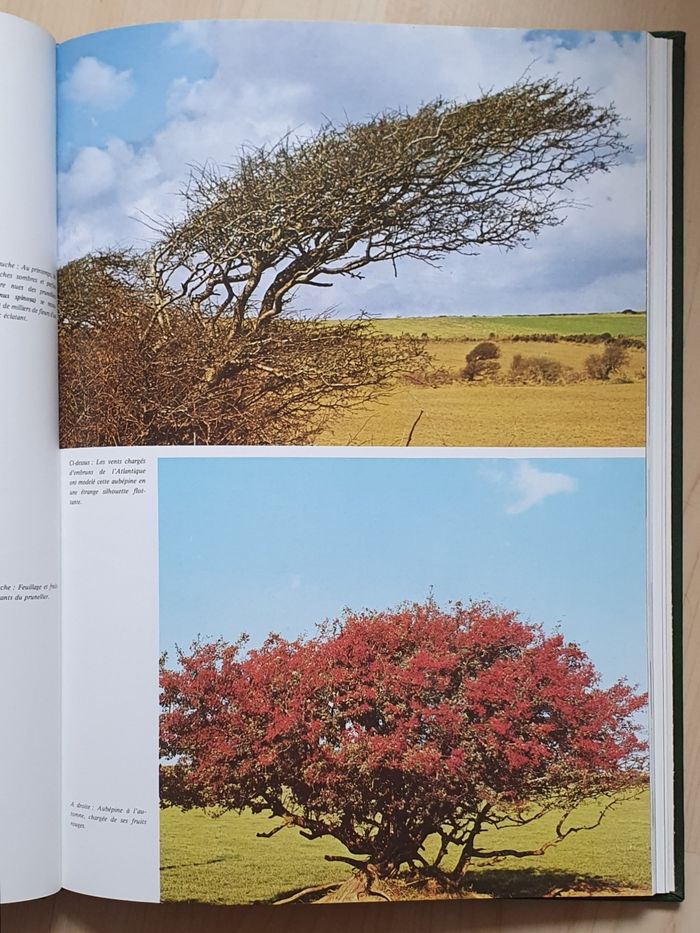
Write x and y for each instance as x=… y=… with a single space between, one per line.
x=390 y=727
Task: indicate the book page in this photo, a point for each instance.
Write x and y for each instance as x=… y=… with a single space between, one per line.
x=353 y=427
x=30 y=699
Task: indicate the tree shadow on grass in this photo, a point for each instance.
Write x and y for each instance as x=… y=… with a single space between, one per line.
x=492 y=883
x=210 y=861
x=529 y=882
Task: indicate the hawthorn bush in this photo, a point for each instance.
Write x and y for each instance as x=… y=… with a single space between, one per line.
x=535 y=369
x=387 y=728
x=611 y=360
x=200 y=384
x=482 y=361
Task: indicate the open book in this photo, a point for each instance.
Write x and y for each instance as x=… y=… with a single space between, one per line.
x=339 y=483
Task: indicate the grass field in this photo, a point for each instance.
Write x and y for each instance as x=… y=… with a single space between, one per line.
x=222 y=861
x=593 y=414
x=479 y=328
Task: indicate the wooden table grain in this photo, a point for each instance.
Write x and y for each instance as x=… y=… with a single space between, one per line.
x=69 y=913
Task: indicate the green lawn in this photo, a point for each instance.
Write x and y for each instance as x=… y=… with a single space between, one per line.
x=222 y=860
x=614 y=856
x=479 y=327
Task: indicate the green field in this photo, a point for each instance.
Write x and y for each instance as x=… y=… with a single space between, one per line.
x=221 y=860
x=475 y=327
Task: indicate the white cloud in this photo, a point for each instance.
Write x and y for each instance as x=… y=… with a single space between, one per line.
x=211 y=119
x=97 y=84
x=105 y=195
x=532 y=485
x=195 y=33
x=92 y=174
x=208 y=122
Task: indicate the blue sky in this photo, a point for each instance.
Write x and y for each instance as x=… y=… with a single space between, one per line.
x=137 y=106
x=575 y=38
x=279 y=544
x=143 y=108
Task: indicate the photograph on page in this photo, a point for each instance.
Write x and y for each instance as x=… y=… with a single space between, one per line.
x=396 y=679
x=343 y=234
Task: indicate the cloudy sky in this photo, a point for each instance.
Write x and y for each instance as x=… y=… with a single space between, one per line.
x=560 y=540
x=138 y=106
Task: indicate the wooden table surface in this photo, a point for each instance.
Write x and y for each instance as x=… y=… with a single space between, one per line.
x=68 y=913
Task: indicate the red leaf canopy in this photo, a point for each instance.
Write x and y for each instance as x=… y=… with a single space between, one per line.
x=389 y=726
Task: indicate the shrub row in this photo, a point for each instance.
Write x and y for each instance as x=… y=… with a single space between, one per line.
x=482 y=363
x=628 y=343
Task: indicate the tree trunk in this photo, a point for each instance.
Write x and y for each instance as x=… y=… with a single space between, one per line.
x=361 y=886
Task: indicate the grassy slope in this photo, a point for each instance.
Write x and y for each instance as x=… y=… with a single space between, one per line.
x=478 y=328
x=222 y=861
x=596 y=414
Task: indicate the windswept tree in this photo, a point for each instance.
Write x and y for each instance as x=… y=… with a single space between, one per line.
x=219 y=349
x=407 y=735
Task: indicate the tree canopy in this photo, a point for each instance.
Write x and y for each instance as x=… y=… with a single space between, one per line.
x=449 y=178
x=202 y=338
x=387 y=728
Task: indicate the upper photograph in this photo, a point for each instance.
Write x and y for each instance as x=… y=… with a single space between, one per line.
x=297 y=233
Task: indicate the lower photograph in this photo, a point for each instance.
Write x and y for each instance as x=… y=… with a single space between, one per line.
x=402 y=678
